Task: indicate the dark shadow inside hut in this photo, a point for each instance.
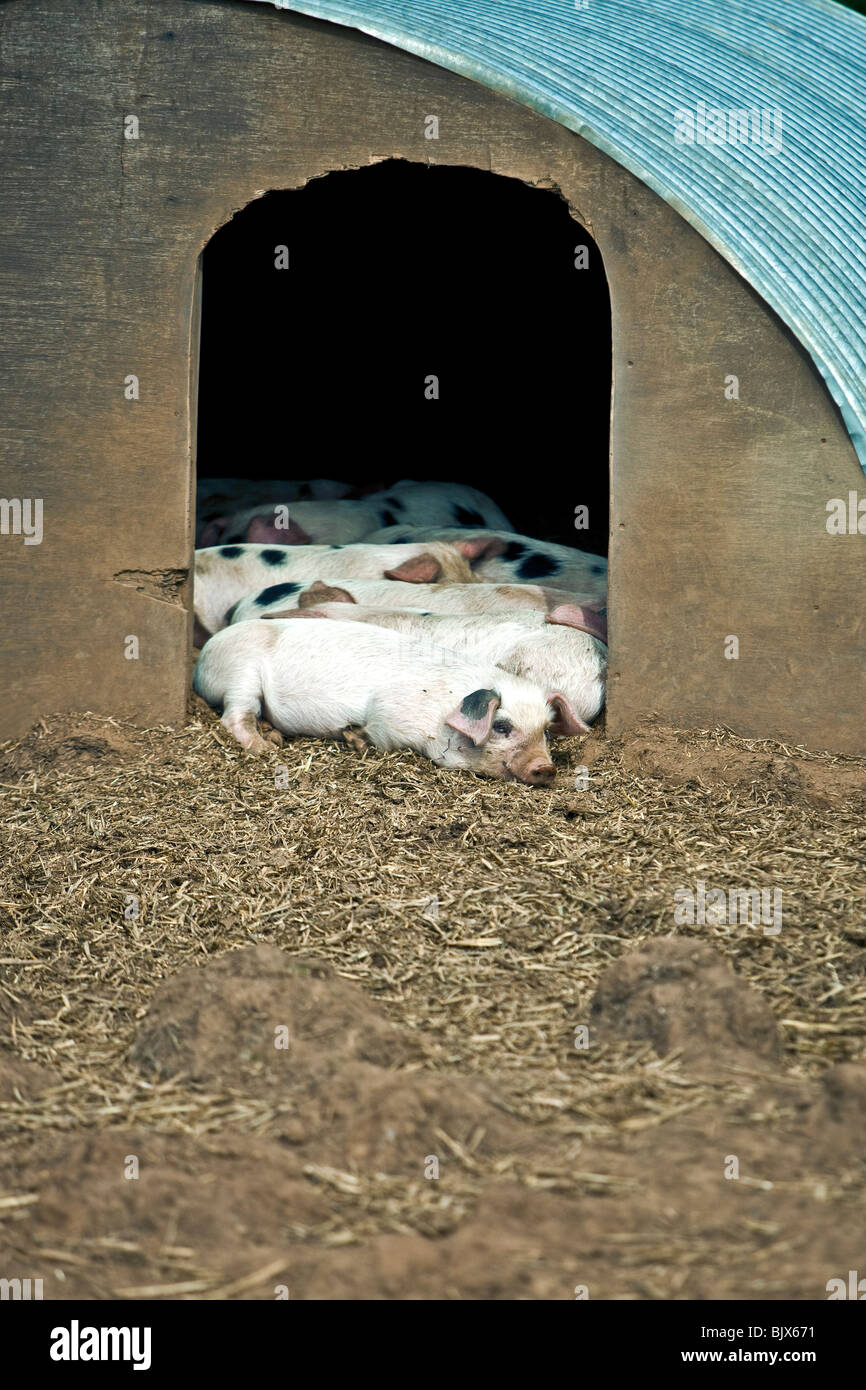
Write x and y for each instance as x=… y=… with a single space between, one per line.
x=396 y=273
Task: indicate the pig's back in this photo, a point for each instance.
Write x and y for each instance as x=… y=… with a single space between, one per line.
x=347 y=665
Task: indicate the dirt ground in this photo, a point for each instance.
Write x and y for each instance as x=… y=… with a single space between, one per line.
x=344 y=1025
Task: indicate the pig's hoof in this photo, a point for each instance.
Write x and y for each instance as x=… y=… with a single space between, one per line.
x=242 y=726
x=356 y=738
x=272 y=736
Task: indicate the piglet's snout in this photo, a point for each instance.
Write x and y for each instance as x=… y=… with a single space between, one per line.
x=539 y=773
x=533 y=767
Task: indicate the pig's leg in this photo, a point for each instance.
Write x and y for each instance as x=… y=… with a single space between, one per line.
x=242 y=705
x=241 y=724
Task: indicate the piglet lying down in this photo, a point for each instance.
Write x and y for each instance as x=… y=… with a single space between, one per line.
x=320 y=676
x=558 y=658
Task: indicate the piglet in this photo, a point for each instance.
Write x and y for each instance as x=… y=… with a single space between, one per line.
x=320 y=522
x=503 y=557
x=561 y=659
x=318 y=677
x=280 y=599
x=309 y=522
x=224 y=574
x=218 y=500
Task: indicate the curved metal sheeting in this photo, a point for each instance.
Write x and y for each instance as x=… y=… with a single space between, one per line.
x=789 y=214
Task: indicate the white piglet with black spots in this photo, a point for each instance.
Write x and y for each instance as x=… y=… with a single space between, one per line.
x=320 y=677
x=220 y=499
x=322 y=522
x=224 y=574
x=552 y=605
x=508 y=558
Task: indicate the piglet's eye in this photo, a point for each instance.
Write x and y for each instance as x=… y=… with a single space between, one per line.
x=502 y=726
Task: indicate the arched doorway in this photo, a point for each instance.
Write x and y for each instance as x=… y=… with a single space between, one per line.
x=397 y=273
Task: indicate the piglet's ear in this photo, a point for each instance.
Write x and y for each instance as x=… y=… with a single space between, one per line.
x=212 y=532
x=582 y=616
x=478 y=548
x=474 y=716
x=319 y=592
x=421 y=569
x=565 y=722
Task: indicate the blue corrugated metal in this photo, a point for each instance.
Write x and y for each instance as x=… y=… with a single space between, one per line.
x=791 y=220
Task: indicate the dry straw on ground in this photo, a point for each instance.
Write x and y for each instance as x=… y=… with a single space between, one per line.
x=477 y=919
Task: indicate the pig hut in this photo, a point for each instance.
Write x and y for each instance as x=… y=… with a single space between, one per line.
x=717 y=157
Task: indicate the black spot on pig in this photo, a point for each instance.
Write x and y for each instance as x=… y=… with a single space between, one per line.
x=537 y=566
x=395 y=503
x=597 y=569
x=336 y=547
x=230 y=614
x=274 y=557
x=465 y=517
x=387 y=518
x=276 y=591
x=231 y=552
x=475 y=705
x=514 y=550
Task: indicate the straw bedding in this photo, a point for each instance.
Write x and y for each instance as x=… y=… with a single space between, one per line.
x=431 y=946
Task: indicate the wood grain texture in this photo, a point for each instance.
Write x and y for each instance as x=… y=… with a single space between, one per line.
x=718 y=506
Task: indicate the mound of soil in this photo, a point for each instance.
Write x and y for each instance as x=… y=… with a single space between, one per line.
x=680 y=995
x=290 y=1028
x=67 y=741
x=656 y=751
x=262 y=1014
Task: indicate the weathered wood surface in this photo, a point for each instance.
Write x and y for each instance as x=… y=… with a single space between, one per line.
x=718 y=515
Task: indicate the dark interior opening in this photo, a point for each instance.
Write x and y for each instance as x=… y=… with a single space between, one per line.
x=398 y=272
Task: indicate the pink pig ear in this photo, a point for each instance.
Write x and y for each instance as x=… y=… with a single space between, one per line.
x=477 y=548
x=421 y=569
x=474 y=716
x=262 y=531
x=319 y=592
x=581 y=616
x=565 y=722
x=212 y=532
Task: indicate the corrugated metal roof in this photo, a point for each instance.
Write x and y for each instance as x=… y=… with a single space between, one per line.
x=792 y=219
